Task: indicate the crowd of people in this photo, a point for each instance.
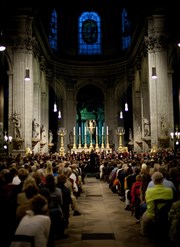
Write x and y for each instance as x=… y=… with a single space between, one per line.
x=140 y=184
x=37 y=195
x=39 y=192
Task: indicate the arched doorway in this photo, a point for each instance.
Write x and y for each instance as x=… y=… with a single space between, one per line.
x=90 y=113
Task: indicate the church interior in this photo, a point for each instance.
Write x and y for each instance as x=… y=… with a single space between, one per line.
x=86 y=74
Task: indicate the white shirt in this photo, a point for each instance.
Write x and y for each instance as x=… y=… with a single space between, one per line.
x=34 y=225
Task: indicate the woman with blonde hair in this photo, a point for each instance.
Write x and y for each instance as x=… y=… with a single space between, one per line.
x=49 y=168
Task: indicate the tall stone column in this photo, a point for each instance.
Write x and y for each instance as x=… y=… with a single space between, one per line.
x=160 y=89
x=70 y=111
x=44 y=123
x=137 y=118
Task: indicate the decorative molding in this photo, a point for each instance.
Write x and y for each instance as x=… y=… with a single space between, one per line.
x=155 y=42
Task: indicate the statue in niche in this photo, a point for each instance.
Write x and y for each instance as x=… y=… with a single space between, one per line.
x=139 y=136
x=16 y=125
x=164 y=127
x=130 y=134
x=50 y=136
x=43 y=132
x=35 y=125
x=146 y=127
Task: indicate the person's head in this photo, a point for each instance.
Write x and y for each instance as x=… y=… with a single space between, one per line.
x=157 y=177
x=143 y=166
x=30 y=187
x=38 y=177
x=61 y=179
x=50 y=182
x=23 y=173
x=39 y=205
x=49 y=167
x=138 y=178
x=67 y=171
x=163 y=171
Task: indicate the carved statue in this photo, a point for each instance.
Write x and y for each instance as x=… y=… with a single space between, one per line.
x=146 y=127
x=43 y=132
x=164 y=127
x=130 y=134
x=16 y=125
x=91 y=126
x=50 y=136
x=35 y=125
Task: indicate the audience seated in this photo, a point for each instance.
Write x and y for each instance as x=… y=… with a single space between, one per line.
x=159 y=191
x=66 y=194
x=135 y=198
x=174 y=222
x=35 y=223
x=55 y=209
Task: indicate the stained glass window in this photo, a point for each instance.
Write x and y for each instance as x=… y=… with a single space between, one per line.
x=53 y=31
x=89 y=31
x=126 y=26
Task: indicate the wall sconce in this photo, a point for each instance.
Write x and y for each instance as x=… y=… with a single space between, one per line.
x=59 y=114
x=2 y=42
x=27 y=76
x=154 y=75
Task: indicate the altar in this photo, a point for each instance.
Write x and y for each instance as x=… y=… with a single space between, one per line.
x=88 y=150
x=101 y=142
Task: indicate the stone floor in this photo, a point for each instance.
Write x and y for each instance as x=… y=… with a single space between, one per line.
x=103 y=222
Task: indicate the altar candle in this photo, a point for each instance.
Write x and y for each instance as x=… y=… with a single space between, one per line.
x=102 y=130
x=107 y=130
x=79 y=130
x=96 y=130
x=74 y=131
x=85 y=130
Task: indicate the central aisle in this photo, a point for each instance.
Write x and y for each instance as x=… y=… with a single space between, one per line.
x=103 y=222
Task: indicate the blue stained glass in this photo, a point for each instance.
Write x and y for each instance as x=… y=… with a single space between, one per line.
x=126 y=26
x=89 y=34
x=53 y=31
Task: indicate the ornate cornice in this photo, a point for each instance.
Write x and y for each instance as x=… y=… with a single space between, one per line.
x=156 y=42
x=21 y=43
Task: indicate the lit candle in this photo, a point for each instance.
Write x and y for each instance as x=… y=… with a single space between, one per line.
x=85 y=130
x=107 y=130
x=74 y=131
x=79 y=130
x=96 y=130
x=102 y=130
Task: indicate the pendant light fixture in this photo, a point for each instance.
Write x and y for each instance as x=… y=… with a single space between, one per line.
x=2 y=42
x=27 y=76
x=27 y=47
x=55 y=104
x=121 y=115
x=126 y=107
x=154 y=75
x=55 y=107
x=59 y=114
x=125 y=83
